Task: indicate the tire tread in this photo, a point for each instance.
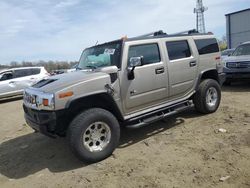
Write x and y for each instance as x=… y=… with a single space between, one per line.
x=75 y=130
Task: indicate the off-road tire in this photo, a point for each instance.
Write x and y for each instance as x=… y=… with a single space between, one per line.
x=199 y=98
x=81 y=123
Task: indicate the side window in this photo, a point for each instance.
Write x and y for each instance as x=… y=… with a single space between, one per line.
x=22 y=72
x=150 y=53
x=35 y=71
x=178 y=49
x=207 y=46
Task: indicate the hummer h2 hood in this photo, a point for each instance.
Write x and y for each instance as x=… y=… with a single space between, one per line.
x=63 y=81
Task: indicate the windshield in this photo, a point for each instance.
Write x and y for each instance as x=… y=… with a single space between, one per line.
x=242 y=50
x=107 y=54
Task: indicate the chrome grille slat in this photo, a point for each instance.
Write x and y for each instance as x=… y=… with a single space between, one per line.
x=238 y=65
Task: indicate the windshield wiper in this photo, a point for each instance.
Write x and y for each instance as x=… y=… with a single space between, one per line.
x=91 y=66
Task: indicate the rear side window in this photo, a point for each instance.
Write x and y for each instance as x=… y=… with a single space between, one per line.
x=35 y=71
x=178 y=49
x=207 y=46
x=26 y=72
x=150 y=53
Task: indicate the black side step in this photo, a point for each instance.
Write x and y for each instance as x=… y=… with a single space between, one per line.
x=158 y=115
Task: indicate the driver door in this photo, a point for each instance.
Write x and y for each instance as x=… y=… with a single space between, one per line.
x=7 y=86
x=150 y=82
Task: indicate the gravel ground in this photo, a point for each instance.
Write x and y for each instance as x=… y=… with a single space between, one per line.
x=186 y=150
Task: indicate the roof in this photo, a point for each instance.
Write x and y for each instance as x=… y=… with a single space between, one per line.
x=248 y=42
x=227 y=50
x=157 y=35
x=17 y=68
x=3 y=70
x=248 y=9
x=167 y=36
x=113 y=41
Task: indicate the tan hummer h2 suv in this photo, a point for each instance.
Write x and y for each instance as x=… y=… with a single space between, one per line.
x=130 y=82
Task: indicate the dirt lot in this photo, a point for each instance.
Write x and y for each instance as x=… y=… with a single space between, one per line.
x=185 y=151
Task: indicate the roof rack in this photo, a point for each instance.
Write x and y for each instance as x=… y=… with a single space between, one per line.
x=192 y=31
x=160 y=32
x=152 y=34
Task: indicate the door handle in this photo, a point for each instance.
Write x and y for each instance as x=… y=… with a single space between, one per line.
x=159 y=70
x=132 y=92
x=192 y=63
x=11 y=82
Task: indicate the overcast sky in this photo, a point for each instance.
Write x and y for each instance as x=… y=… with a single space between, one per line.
x=33 y=30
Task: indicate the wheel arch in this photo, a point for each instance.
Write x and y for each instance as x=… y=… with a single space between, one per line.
x=101 y=100
x=208 y=74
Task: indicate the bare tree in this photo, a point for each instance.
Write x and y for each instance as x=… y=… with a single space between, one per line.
x=223 y=43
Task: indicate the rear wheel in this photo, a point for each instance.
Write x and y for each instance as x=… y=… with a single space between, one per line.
x=93 y=135
x=208 y=96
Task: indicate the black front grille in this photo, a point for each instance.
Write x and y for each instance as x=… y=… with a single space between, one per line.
x=239 y=65
x=31 y=113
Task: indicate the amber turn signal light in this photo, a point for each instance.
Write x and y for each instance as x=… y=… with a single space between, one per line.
x=66 y=94
x=45 y=102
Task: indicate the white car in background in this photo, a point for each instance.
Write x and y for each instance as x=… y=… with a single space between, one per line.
x=14 y=80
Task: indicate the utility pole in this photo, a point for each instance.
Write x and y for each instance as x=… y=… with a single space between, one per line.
x=200 y=21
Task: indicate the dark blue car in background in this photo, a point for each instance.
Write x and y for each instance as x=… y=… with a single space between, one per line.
x=237 y=66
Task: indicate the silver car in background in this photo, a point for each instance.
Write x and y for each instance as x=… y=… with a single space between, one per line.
x=14 y=80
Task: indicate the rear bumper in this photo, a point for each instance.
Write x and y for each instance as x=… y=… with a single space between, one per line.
x=50 y=123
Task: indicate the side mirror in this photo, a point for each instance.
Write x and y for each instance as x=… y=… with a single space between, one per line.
x=109 y=69
x=134 y=62
x=6 y=76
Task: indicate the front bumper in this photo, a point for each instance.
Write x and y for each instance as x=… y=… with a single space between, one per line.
x=237 y=73
x=238 y=76
x=50 y=123
x=222 y=78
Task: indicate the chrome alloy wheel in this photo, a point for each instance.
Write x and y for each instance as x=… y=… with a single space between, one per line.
x=211 y=97
x=96 y=137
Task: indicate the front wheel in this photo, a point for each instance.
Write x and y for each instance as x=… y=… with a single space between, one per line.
x=93 y=135
x=207 y=98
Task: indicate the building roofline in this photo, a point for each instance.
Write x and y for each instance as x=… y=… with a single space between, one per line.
x=248 y=9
